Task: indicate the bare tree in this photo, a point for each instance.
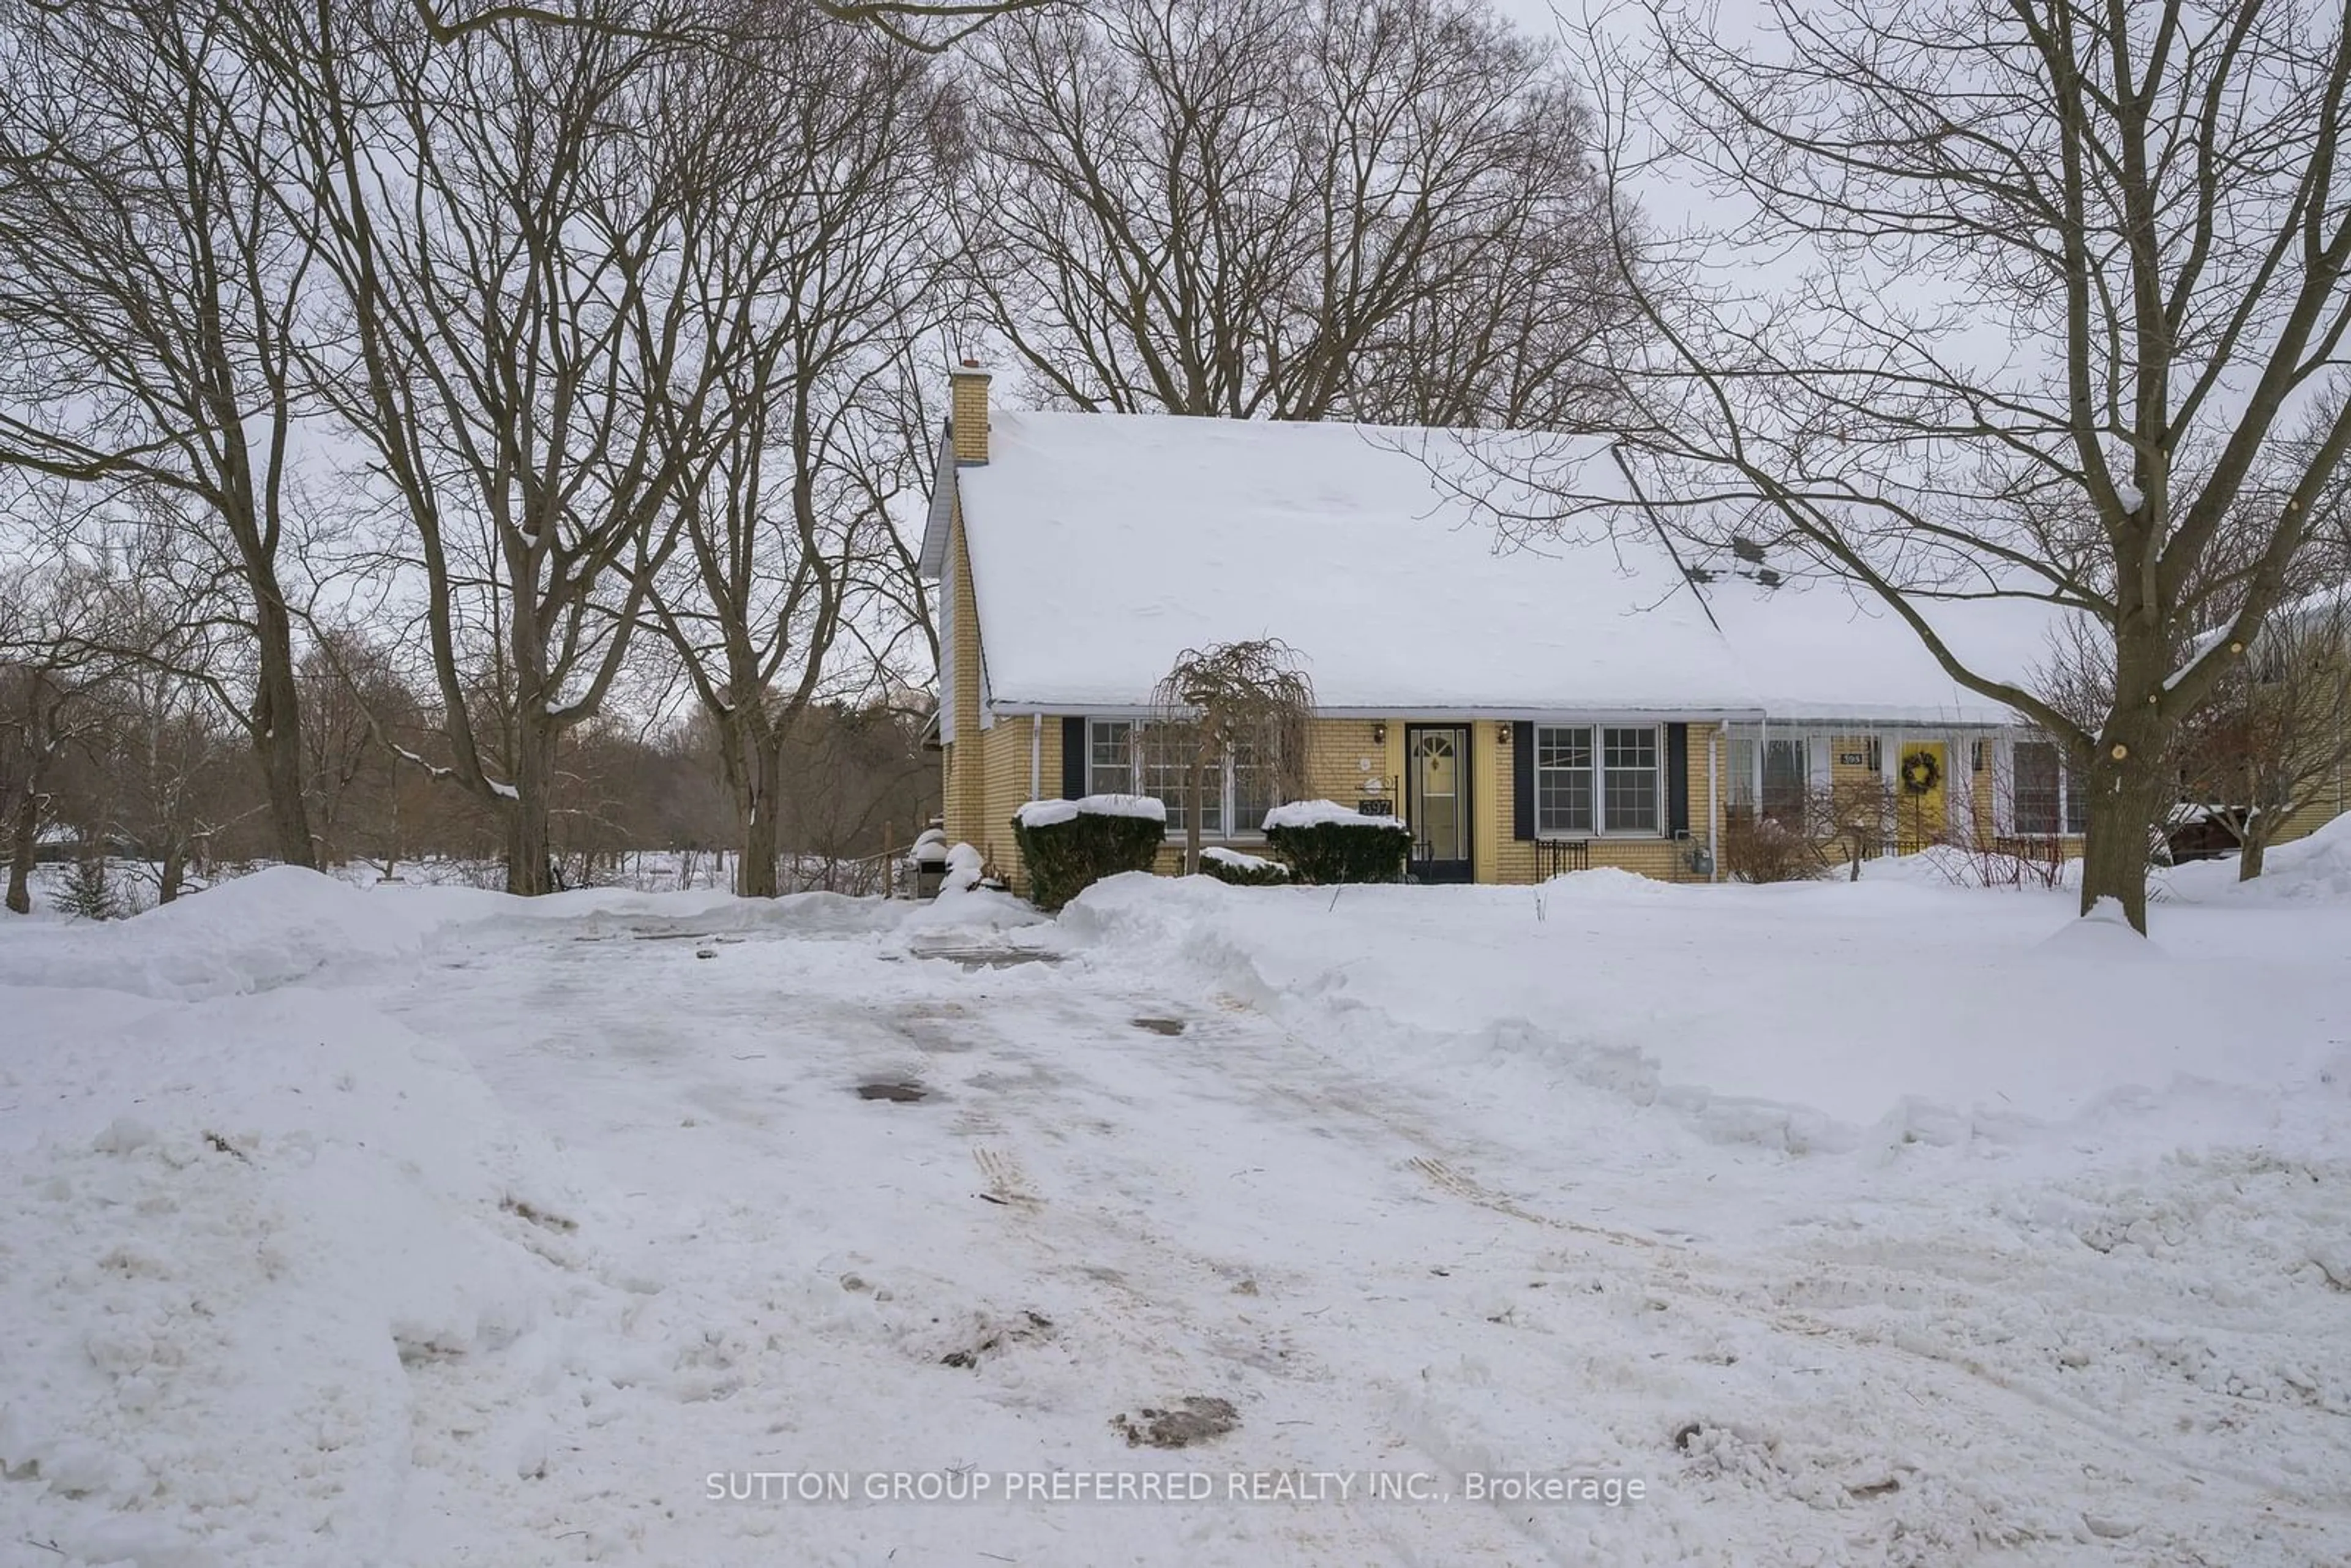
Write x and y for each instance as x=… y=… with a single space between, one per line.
x=151 y=297
x=172 y=772
x=53 y=668
x=2035 y=300
x=928 y=25
x=360 y=712
x=1250 y=703
x=816 y=155
x=2276 y=737
x=499 y=217
x=1259 y=208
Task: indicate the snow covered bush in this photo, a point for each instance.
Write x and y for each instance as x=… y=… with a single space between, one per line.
x=963 y=870
x=1069 y=845
x=1327 y=843
x=1242 y=871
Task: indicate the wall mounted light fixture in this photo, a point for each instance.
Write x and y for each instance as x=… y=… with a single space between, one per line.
x=1379 y=732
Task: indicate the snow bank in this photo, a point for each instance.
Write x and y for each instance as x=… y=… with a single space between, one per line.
x=2315 y=870
x=1607 y=882
x=1241 y=861
x=279 y=926
x=1808 y=1018
x=252 y=934
x=1045 y=813
x=241 y=1231
x=270 y=1253
x=1313 y=813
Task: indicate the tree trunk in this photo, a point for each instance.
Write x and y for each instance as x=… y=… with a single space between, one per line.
x=2125 y=774
x=530 y=870
x=2123 y=804
x=27 y=828
x=175 y=873
x=1195 y=807
x=2248 y=859
x=2114 y=862
x=758 y=799
x=277 y=736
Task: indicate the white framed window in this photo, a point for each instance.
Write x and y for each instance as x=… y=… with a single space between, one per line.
x=1255 y=789
x=1604 y=777
x=1110 y=757
x=2045 y=799
x=1167 y=775
x=1564 y=781
x=1122 y=760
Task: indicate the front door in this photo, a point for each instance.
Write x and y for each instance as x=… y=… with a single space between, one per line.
x=1921 y=802
x=1437 y=801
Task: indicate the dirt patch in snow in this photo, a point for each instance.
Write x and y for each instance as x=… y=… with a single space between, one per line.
x=1031 y=1327
x=1159 y=1026
x=1196 y=1419
x=897 y=1091
x=989 y=958
x=537 y=1216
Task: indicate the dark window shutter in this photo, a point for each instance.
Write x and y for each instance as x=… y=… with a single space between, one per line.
x=1073 y=759
x=1522 y=780
x=1677 y=778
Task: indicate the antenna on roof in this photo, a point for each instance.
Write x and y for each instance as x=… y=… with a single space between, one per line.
x=1691 y=576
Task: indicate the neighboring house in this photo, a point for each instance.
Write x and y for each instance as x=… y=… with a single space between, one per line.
x=1526 y=711
x=2281 y=743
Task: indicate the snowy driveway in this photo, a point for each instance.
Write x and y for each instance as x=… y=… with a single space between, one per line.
x=637 y=1239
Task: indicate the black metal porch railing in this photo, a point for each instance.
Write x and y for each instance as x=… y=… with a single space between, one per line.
x=1557 y=857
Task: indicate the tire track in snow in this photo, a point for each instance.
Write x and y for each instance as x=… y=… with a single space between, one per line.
x=1727 y=1287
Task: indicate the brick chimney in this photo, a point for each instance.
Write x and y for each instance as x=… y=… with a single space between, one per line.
x=968 y=413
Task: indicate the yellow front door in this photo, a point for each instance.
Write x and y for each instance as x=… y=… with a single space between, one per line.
x=1921 y=777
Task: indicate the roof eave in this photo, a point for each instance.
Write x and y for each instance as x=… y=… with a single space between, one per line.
x=932 y=561
x=1405 y=712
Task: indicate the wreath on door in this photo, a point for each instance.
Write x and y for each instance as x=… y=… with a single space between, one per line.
x=1921 y=771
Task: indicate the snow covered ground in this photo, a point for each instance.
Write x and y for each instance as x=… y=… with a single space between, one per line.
x=1877 y=1223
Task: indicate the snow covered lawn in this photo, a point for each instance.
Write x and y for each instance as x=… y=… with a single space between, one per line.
x=1884 y=1223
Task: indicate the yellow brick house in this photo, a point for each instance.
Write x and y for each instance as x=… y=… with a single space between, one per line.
x=1526 y=711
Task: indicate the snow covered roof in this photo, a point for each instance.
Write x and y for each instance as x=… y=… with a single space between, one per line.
x=1102 y=546
x=2333 y=599
x=1821 y=648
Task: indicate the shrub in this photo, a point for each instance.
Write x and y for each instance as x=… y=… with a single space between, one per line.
x=1243 y=870
x=1069 y=845
x=1760 y=849
x=1325 y=843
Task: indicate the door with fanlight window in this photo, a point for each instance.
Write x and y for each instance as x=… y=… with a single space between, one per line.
x=1436 y=800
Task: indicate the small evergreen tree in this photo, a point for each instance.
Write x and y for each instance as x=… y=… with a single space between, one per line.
x=88 y=893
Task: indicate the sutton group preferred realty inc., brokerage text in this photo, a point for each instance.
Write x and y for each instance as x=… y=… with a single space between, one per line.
x=963 y=1484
